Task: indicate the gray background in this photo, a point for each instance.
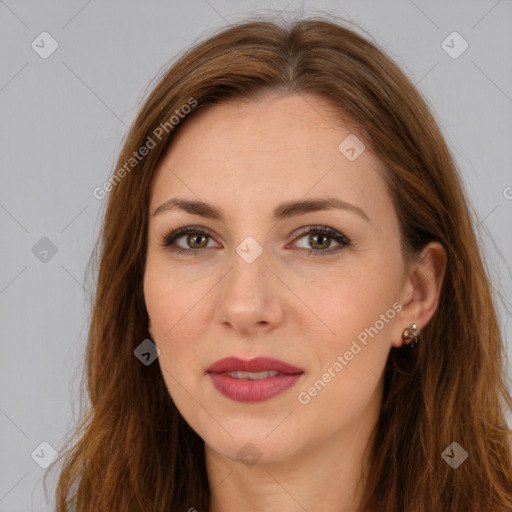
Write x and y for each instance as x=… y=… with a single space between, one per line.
x=61 y=125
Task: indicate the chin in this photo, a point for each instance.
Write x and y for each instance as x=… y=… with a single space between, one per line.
x=251 y=453
x=253 y=442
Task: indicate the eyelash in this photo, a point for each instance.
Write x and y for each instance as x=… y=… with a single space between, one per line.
x=170 y=239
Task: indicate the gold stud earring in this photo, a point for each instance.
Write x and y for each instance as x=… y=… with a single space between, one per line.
x=410 y=335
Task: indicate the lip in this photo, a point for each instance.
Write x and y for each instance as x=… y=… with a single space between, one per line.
x=258 y=364
x=258 y=390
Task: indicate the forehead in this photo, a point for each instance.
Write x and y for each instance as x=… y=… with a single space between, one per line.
x=302 y=124
x=241 y=150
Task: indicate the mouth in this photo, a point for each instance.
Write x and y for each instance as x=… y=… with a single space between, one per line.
x=255 y=366
x=254 y=380
x=252 y=375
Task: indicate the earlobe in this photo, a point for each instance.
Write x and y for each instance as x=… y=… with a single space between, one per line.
x=422 y=292
x=410 y=336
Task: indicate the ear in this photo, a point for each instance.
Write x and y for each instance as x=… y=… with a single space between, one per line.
x=421 y=290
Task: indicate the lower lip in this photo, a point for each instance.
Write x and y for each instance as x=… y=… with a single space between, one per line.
x=257 y=390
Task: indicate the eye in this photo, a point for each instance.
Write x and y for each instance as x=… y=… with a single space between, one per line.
x=320 y=237
x=196 y=238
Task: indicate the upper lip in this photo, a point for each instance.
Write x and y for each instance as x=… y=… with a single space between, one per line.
x=258 y=364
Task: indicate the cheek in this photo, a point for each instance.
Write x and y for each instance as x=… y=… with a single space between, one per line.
x=357 y=311
x=171 y=305
x=171 y=310
x=172 y=295
x=352 y=348
x=354 y=298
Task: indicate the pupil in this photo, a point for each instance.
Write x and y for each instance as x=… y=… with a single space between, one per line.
x=320 y=236
x=196 y=237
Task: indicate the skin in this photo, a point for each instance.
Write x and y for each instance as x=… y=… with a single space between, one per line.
x=246 y=158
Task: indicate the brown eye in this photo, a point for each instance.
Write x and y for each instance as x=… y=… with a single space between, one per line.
x=324 y=243
x=320 y=239
x=195 y=240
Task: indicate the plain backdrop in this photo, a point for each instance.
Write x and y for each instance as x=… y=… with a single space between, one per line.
x=62 y=122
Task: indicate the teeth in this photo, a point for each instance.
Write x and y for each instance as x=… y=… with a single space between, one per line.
x=252 y=375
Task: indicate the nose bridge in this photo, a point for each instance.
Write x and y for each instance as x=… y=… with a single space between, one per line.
x=249 y=271
x=248 y=293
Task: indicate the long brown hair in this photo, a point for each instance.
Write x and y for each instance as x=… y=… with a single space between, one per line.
x=134 y=451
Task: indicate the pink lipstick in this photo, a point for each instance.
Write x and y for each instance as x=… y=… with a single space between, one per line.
x=254 y=380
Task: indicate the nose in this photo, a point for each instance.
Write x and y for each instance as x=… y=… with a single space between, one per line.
x=251 y=296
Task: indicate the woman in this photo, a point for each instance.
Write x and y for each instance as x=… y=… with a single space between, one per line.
x=292 y=312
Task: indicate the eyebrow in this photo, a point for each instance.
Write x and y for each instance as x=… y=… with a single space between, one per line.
x=283 y=211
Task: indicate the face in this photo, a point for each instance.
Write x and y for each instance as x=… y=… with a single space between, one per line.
x=246 y=283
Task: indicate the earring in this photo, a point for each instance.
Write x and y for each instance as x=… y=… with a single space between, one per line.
x=410 y=335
